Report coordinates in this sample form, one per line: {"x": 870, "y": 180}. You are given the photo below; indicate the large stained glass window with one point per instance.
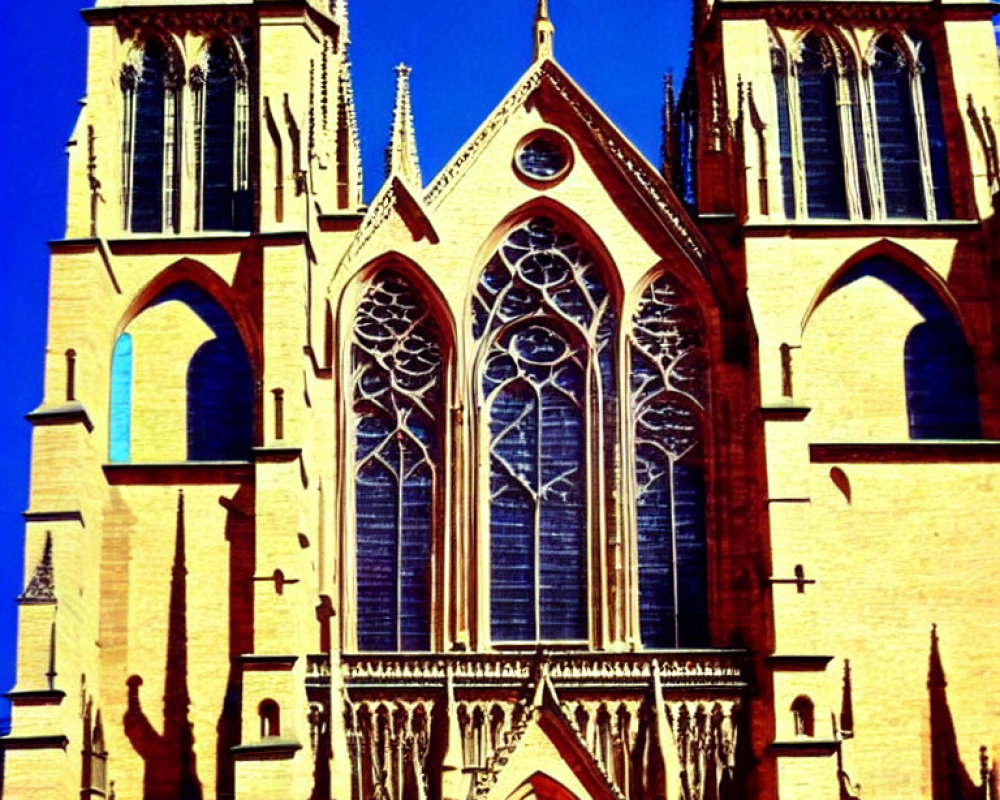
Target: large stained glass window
{"x": 547, "y": 324}
{"x": 399, "y": 413}
{"x": 669, "y": 394}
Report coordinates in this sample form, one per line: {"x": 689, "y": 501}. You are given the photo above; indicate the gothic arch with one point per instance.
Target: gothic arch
{"x": 427, "y": 404}
{"x": 545, "y": 207}
{"x": 187, "y": 270}
{"x": 903, "y": 258}
{"x": 542, "y": 787}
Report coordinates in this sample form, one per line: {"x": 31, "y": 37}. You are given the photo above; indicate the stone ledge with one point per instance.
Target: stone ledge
{"x": 66, "y": 414}
{"x": 57, "y": 742}
{"x": 264, "y": 750}
{"x": 804, "y": 747}
{"x": 266, "y": 662}
{"x": 967, "y": 451}
{"x": 69, "y": 515}
{"x": 36, "y": 697}
{"x": 181, "y": 472}
{"x": 784, "y": 412}
{"x": 799, "y": 663}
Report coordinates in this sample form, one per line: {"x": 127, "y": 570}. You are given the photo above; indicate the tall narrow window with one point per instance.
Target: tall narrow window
{"x": 902, "y": 185}
{"x": 545, "y": 318}
{"x": 936, "y": 141}
{"x": 826, "y": 193}
{"x": 669, "y": 391}
{"x": 779, "y": 69}
{"x": 120, "y": 424}
{"x": 150, "y": 142}
{"x": 224, "y": 191}
{"x": 399, "y": 411}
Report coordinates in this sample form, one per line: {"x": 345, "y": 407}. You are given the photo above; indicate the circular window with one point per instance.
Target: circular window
{"x": 543, "y": 156}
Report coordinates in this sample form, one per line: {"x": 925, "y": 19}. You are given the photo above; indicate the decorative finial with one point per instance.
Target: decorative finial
{"x": 545, "y": 32}
{"x": 41, "y": 588}
{"x": 401, "y": 155}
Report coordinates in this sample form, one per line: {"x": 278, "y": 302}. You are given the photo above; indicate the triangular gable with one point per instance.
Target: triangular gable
{"x": 394, "y": 199}
{"x": 547, "y": 86}
{"x": 546, "y": 752}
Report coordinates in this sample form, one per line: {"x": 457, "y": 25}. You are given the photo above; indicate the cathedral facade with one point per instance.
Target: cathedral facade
{"x": 559, "y": 476}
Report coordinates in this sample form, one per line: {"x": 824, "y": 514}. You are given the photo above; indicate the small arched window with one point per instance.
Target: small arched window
{"x": 546, "y": 323}
{"x": 803, "y": 716}
{"x": 270, "y": 719}
{"x": 669, "y": 394}
{"x": 221, "y": 129}
{"x": 899, "y": 152}
{"x": 399, "y": 411}
{"x": 820, "y": 127}
{"x": 150, "y": 141}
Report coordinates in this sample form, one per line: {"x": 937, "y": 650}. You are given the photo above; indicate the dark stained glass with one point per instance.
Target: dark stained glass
{"x": 220, "y": 107}
{"x": 148, "y": 143}
{"x": 398, "y": 410}
{"x": 542, "y": 157}
{"x": 543, "y": 307}
{"x": 902, "y": 187}
{"x": 669, "y": 383}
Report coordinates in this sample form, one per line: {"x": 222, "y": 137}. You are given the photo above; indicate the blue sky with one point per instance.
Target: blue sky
{"x": 465, "y": 57}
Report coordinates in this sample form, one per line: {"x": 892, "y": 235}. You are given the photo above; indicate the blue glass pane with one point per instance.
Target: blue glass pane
{"x": 562, "y": 514}
{"x": 897, "y": 133}
{"x": 826, "y": 193}
{"x": 119, "y": 449}
{"x": 542, "y": 158}
{"x": 692, "y": 563}
{"x": 220, "y": 105}
{"x": 415, "y": 557}
{"x": 377, "y": 517}
{"x": 147, "y": 145}
{"x": 513, "y": 482}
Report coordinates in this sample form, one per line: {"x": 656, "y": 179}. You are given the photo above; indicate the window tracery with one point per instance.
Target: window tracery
{"x": 547, "y": 323}
{"x": 669, "y": 398}
{"x": 150, "y": 141}
{"x": 398, "y": 406}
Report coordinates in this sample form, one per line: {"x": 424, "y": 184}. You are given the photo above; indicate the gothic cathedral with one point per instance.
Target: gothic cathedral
{"x": 559, "y": 476}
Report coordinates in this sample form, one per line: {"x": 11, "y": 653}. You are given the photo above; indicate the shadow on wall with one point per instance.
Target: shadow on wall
{"x": 942, "y": 399}
{"x": 949, "y": 778}
{"x": 170, "y": 770}
{"x": 219, "y": 385}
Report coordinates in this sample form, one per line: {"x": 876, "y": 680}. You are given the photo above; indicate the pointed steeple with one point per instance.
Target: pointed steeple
{"x": 401, "y": 155}
{"x": 545, "y": 32}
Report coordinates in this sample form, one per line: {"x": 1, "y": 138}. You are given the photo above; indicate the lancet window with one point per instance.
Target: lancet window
{"x": 398, "y": 408}
{"x": 669, "y": 399}
{"x": 150, "y": 141}
{"x": 221, "y": 118}
{"x": 546, "y": 323}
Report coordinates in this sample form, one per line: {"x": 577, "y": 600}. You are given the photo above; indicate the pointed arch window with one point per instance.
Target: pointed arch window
{"x": 546, "y": 322}
{"x": 399, "y": 404}
{"x": 899, "y": 152}
{"x": 822, "y": 146}
{"x": 221, "y": 131}
{"x": 150, "y": 141}
{"x": 669, "y": 397}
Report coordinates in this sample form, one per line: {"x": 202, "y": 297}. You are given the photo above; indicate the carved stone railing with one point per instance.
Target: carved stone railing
{"x": 646, "y": 719}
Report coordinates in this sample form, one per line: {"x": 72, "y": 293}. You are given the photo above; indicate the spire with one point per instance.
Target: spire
{"x": 545, "y": 32}
{"x": 401, "y": 155}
